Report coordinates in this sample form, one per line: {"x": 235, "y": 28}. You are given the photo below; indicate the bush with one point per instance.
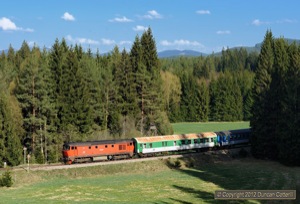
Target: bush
{"x": 177, "y": 164}
{"x": 6, "y": 179}
{"x": 243, "y": 153}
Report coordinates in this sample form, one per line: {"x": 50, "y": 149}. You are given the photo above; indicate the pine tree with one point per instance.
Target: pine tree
{"x": 57, "y": 61}
{"x": 289, "y": 138}
{"x": 202, "y": 101}
{"x": 262, "y": 141}
{"x": 10, "y": 130}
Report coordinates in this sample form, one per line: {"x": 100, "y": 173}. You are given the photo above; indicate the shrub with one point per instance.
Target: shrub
{"x": 243, "y": 153}
{"x": 6, "y": 179}
{"x": 177, "y": 164}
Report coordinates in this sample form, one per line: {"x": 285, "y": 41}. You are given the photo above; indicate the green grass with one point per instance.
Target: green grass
{"x": 151, "y": 182}
{"x": 184, "y": 128}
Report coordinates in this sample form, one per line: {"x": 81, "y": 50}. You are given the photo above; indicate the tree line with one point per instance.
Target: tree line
{"x": 276, "y": 94}
{"x": 66, "y": 94}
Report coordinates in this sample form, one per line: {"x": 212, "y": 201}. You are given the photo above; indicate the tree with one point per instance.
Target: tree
{"x": 288, "y": 134}
{"x": 262, "y": 141}
{"x": 10, "y": 130}
{"x": 202, "y": 101}
{"x": 171, "y": 89}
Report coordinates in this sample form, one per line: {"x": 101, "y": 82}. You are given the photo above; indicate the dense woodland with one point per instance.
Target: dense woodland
{"x": 68, "y": 94}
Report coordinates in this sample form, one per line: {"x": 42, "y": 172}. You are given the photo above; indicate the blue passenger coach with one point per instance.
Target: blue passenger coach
{"x": 233, "y": 137}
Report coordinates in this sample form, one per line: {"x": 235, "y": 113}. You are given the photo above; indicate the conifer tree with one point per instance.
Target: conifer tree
{"x": 288, "y": 135}
{"x": 202, "y": 101}
{"x": 261, "y": 136}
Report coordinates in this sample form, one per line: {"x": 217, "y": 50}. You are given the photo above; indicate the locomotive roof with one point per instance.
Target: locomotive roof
{"x": 99, "y": 142}
{"x": 174, "y": 137}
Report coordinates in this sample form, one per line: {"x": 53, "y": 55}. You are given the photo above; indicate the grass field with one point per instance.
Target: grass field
{"x": 152, "y": 182}
{"x": 158, "y": 181}
{"x": 184, "y": 128}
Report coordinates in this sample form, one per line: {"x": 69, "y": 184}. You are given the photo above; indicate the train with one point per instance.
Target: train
{"x": 76, "y": 152}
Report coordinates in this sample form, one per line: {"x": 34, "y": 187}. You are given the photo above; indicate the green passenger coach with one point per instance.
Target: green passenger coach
{"x": 153, "y": 144}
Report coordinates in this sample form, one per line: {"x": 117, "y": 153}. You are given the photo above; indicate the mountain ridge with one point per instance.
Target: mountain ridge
{"x": 193, "y": 53}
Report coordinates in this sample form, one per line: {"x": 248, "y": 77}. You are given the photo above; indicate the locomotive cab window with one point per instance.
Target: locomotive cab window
{"x": 66, "y": 147}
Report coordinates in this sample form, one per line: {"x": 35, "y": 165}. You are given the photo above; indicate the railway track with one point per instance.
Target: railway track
{"x": 106, "y": 162}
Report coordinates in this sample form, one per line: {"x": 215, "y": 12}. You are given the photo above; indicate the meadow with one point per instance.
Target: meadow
{"x": 184, "y": 181}
{"x": 159, "y": 181}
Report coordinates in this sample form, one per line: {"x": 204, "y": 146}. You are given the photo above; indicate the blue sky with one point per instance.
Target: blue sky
{"x": 201, "y": 25}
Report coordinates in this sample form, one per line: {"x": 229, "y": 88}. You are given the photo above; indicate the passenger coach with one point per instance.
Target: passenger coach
{"x": 166, "y": 143}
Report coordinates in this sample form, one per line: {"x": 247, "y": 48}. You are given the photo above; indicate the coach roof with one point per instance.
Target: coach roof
{"x": 174, "y": 137}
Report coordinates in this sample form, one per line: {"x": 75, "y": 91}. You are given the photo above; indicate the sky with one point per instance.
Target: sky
{"x": 202, "y": 25}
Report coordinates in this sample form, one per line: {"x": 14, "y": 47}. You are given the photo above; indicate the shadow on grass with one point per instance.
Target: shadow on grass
{"x": 234, "y": 175}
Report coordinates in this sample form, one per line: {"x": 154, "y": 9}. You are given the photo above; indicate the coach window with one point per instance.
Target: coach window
{"x": 96, "y": 147}
{"x": 72, "y": 148}
{"x": 183, "y": 142}
{"x": 163, "y": 144}
{"x": 189, "y": 142}
{"x": 105, "y": 146}
{"x": 211, "y": 139}
{"x": 90, "y": 147}
{"x": 195, "y": 141}
{"x": 174, "y": 143}
{"x": 75, "y": 147}
{"x": 130, "y": 143}
{"x": 144, "y": 145}
{"x": 112, "y": 145}
{"x": 150, "y": 145}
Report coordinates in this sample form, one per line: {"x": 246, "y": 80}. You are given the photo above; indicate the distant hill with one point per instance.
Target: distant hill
{"x": 178, "y": 53}
{"x": 193, "y": 53}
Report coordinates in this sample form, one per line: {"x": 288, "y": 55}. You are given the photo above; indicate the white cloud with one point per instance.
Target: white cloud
{"x": 223, "y": 32}
{"x": 121, "y": 20}
{"x": 82, "y": 40}
{"x": 107, "y": 41}
{"x": 152, "y": 15}
{"x": 68, "y": 17}
{"x": 7, "y": 25}
{"x": 181, "y": 42}
{"x": 258, "y": 22}
{"x": 287, "y": 21}
{"x": 203, "y": 12}
{"x": 140, "y": 28}
{"x": 125, "y": 42}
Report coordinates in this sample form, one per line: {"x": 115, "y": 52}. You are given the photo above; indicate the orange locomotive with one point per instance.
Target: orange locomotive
{"x": 90, "y": 151}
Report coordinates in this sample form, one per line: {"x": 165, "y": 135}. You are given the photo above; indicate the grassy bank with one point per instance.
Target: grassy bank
{"x": 151, "y": 182}
{"x": 183, "y": 128}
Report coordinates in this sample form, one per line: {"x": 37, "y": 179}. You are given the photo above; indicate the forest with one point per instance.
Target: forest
{"x": 51, "y": 96}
